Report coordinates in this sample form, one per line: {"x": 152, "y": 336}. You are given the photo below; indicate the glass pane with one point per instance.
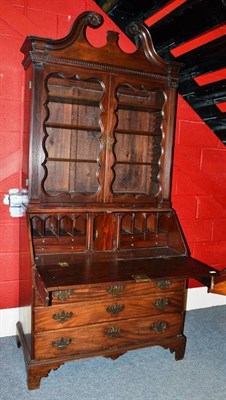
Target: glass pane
{"x": 138, "y": 140}
{"x": 72, "y": 129}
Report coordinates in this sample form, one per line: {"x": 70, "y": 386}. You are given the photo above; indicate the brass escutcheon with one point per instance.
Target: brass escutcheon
{"x": 160, "y": 326}
{"x": 109, "y": 142}
{"x": 62, "y": 294}
{"x": 116, "y": 290}
{"x": 141, "y": 278}
{"x": 115, "y": 309}
{"x": 61, "y": 343}
{"x": 113, "y": 332}
{"x": 164, "y": 284}
{"x": 161, "y": 303}
{"x": 63, "y": 316}
{"x": 63, "y": 264}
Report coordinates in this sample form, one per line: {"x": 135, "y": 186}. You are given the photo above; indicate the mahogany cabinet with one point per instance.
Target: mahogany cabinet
{"x": 109, "y": 261}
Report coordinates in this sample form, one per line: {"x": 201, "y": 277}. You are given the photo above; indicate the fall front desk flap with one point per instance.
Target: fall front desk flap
{"x": 69, "y": 273}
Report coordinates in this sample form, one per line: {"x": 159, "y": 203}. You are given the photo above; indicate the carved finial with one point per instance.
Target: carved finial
{"x": 133, "y": 29}
{"x": 94, "y": 20}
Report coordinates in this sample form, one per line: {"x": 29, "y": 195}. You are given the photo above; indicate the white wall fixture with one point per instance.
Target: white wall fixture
{"x": 17, "y": 201}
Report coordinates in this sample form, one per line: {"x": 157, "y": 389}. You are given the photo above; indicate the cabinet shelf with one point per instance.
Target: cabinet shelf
{"x": 136, "y": 163}
{"x": 72, "y": 127}
{"x": 77, "y": 160}
{"x": 73, "y": 100}
{"x": 142, "y": 108}
{"x": 158, "y": 132}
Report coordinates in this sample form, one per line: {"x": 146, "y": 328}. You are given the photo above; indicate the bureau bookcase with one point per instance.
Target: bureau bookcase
{"x": 109, "y": 261}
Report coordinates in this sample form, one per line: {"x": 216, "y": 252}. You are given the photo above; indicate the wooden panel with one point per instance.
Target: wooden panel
{"x": 98, "y": 336}
{"x": 87, "y": 271}
{"x": 138, "y": 140}
{"x": 104, "y": 232}
{"x": 73, "y": 133}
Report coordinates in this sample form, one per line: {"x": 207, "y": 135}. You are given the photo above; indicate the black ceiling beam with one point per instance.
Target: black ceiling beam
{"x": 203, "y": 100}
{"x": 208, "y": 94}
{"x": 123, "y": 12}
{"x": 191, "y": 19}
{"x": 218, "y": 125}
{"x": 210, "y": 114}
{"x": 206, "y": 58}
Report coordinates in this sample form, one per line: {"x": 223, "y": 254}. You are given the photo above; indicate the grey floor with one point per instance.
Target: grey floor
{"x": 138, "y": 375}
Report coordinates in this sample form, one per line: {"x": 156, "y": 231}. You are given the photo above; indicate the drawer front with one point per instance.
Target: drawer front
{"x": 111, "y": 335}
{"x": 117, "y": 290}
{"x": 143, "y": 240}
{"x": 45, "y": 241}
{"x": 56, "y": 245}
{"x": 83, "y": 313}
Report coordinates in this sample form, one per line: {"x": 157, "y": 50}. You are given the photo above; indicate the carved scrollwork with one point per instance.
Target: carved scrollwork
{"x": 133, "y": 29}
{"x": 94, "y": 20}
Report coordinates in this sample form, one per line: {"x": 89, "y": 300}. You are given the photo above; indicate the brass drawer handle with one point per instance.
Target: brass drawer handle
{"x": 164, "y": 284}
{"x": 115, "y": 309}
{"x": 62, "y": 294}
{"x": 161, "y": 303}
{"x": 113, "y": 332}
{"x": 116, "y": 290}
{"x": 63, "y": 316}
{"x": 160, "y": 326}
{"x": 62, "y": 343}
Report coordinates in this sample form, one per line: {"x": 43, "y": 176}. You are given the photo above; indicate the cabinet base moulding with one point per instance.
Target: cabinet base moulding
{"x": 36, "y": 370}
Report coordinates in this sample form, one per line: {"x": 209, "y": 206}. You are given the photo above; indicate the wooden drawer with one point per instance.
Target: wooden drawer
{"x": 45, "y": 241}
{"x": 110, "y": 335}
{"x": 117, "y": 290}
{"x": 143, "y": 240}
{"x": 60, "y": 244}
{"x": 83, "y": 313}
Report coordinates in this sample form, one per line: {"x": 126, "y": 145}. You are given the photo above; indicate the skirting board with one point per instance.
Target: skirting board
{"x": 196, "y": 298}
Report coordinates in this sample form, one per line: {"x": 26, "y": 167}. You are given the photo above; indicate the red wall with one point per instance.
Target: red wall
{"x": 199, "y": 187}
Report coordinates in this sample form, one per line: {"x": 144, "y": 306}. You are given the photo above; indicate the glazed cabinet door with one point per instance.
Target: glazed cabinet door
{"x": 140, "y": 131}
{"x": 72, "y": 137}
